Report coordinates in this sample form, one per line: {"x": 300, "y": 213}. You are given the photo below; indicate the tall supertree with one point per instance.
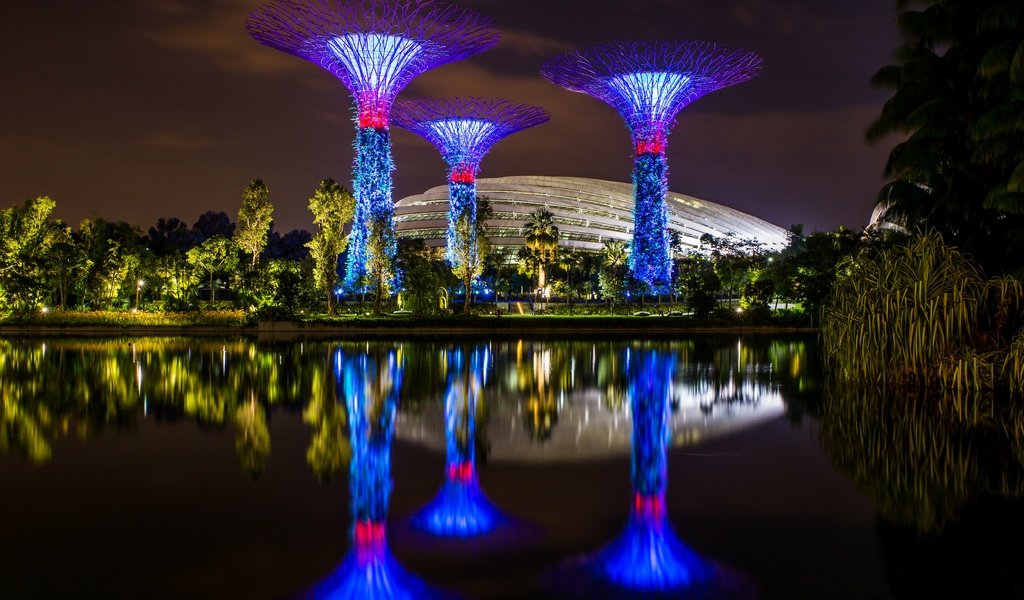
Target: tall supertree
{"x": 460, "y": 508}
{"x": 375, "y": 47}
{"x": 648, "y": 83}
{"x": 464, "y": 130}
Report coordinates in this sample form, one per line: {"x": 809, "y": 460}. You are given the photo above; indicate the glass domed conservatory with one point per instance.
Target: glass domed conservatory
{"x": 588, "y": 213}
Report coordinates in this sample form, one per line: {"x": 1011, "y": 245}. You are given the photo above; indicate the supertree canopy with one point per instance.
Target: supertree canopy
{"x": 648, "y": 83}
{"x": 461, "y": 509}
{"x": 375, "y": 47}
{"x": 464, "y": 130}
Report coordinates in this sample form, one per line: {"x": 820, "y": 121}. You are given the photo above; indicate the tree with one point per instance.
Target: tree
{"x": 817, "y": 266}
{"x": 420, "y": 269}
{"x": 170, "y": 236}
{"x": 698, "y": 284}
{"x": 65, "y": 262}
{"x": 957, "y": 100}
{"x": 542, "y": 240}
{"x": 114, "y": 250}
{"x": 613, "y": 278}
{"x": 254, "y": 219}
{"x": 26, "y": 235}
{"x": 212, "y": 223}
{"x": 332, "y": 207}
{"x": 471, "y": 252}
{"x": 215, "y": 254}
{"x": 176, "y": 280}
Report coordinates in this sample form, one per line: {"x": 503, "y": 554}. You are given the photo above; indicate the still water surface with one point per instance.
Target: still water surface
{"x": 710, "y": 467}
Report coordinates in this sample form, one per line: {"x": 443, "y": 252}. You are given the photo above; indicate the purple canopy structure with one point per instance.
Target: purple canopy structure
{"x": 464, "y": 130}
{"x": 648, "y": 83}
{"x": 375, "y": 48}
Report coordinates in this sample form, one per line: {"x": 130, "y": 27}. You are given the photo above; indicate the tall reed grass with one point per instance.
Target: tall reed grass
{"x": 920, "y": 314}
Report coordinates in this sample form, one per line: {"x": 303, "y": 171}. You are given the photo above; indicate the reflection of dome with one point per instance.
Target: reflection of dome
{"x": 588, "y": 212}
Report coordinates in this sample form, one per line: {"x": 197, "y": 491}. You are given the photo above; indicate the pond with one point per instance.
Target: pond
{"x": 710, "y": 467}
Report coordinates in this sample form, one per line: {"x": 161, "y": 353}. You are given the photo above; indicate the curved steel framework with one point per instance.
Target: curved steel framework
{"x": 648, "y": 83}
{"x": 464, "y": 130}
{"x": 375, "y": 48}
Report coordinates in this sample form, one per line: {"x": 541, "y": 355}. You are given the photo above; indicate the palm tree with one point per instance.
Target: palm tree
{"x": 542, "y": 240}
{"x": 612, "y": 278}
{"x": 569, "y": 262}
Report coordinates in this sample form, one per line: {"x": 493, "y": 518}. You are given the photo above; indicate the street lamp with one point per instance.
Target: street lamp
{"x": 138, "y": 292}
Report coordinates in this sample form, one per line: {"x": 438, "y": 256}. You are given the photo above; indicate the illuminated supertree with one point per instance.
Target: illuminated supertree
{"x": 464, "y": 130}
{"x": 648, "y": 557}
{"x": 648, "y": 83}
{"x": 460, "y": 508}
{"x": 375, "y": 47}
{"x": 371, "y": 384}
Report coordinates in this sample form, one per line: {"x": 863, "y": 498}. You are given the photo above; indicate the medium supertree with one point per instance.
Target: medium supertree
{"x": 375, "y": 47}
{"x": 460, "y": 508}
{"x": 648, "y": 83}
{"x": 371, "y": 382}
{"x": 464, "y": 130}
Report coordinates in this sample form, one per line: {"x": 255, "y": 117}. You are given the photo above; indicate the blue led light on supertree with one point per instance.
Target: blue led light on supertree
{"x": 460, "y": 508}
{"x": 375, "y": 48}
{"x": 464, "y": 130}
{"x": 371, "y": 384}
{"x": 648, "y": 83}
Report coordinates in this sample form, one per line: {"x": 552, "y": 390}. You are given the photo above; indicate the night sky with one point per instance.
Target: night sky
{"x": 140, "y": 109}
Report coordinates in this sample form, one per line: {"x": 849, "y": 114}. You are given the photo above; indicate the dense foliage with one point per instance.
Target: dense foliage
{"x": 920, "y": 314}
{"x": 959, "y": 100}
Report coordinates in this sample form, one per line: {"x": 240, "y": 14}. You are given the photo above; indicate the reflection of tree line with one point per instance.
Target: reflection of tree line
{"x": 949, "y": 496}
{"x": 50, "y": 389}
{"x": 89, "y": 385}
{"x": 918, "y": 469}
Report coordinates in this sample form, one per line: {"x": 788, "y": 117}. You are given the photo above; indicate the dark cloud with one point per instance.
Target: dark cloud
{"x": 147, "y": 108}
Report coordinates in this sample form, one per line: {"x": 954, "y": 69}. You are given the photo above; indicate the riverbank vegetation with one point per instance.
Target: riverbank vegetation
{"x": 245, "y": 271}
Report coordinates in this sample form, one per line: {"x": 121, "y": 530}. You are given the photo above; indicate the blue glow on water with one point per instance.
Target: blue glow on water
{"x": 365, "y": 576}
{"x": 371, "y": 385}
{"x": 460, "y": 508}
{"x": 648, "y": 556}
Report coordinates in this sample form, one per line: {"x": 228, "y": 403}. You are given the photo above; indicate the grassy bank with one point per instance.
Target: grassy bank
{"x": 57, "y": 322}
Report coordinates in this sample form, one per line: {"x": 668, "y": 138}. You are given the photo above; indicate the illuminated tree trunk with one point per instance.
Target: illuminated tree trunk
{"x": 650, "y": 261}
{"x": 374, "y": 212}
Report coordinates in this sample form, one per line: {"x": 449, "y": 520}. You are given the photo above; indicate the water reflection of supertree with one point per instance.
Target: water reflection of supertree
{"x": 461, "y": 509}
{"x": 648, "y": 557}
{"x": 371, "y": 383}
